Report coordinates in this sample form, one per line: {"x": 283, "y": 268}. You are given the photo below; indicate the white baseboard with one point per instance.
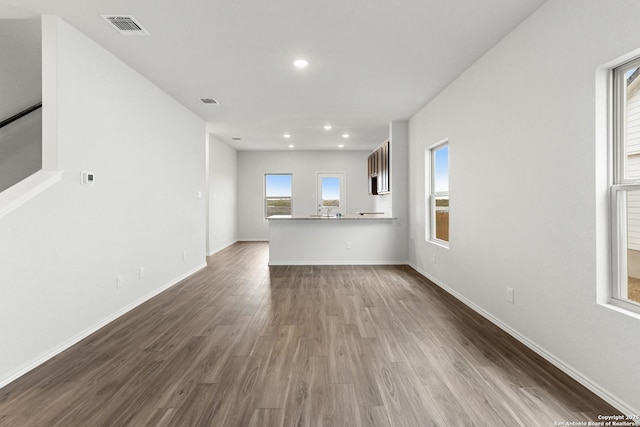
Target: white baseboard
{"x": 257, "y": 239}
{"x": 224, "y": 246}
{"x": 550, "y": 357}
{"x": 94, "y": 328}
{"x": 274, "y": 263}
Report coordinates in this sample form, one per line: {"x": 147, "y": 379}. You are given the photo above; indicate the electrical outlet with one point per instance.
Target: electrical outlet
{"x": 433, "y": 257}
{"x": 348, "y": 245}
{"x": 142, "y": 272}
{"x": 119, "y": 281}
{"x": 215, "y": 237}
{"x": 510, "y": 295}
{"x": 184, "y": 255}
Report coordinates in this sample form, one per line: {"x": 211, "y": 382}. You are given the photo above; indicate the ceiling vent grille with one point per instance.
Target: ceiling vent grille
{"x": 209, "y": 101}
{"x": 126, "y": 25}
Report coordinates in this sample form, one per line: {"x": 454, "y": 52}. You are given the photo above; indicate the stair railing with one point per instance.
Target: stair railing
{"x": 20, "y": 114}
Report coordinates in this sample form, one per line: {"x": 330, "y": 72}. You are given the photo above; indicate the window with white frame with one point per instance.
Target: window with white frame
{"x": 277, "y": 194}
{"x": 438, "y": 197}
{"x": 625, "y": 188}
{"x": 331, "y": 195}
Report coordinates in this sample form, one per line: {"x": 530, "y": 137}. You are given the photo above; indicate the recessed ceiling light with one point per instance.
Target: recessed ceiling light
{"x": 345, "y": 135}
{"x": 327, "y": 127}
{"x": 340, "y": 145}
{"x": 286, "y": 135}
{"x": 290, "y": 145}
{"x": 300, "y": 63}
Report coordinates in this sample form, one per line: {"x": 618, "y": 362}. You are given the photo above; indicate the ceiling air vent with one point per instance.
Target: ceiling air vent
{"x": 126, "y": 25}
{"x": 209, "y": 101}
{"x": 235, "y": 138}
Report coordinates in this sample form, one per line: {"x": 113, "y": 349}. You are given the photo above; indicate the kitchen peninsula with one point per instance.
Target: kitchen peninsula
{"x": 321, "y": 240}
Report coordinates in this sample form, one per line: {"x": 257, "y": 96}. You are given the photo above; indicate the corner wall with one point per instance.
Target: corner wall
{"x": 396, "y": 202}
{"x": 223, "y": 195}
{"x": 62, "y": 250}
{"x": 528, "y": 190}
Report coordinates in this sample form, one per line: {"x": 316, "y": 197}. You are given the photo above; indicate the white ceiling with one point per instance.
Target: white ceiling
{"x": 370, "y": 61}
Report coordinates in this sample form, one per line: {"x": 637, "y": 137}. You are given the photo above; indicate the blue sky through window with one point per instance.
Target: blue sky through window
{"x": 441, "y": 165}
{"x": 330, "y": 188}
{"x": 278, "y": 185}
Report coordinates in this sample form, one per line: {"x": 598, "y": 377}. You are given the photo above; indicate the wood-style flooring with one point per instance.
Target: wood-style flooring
{"x": 242, "y": 344}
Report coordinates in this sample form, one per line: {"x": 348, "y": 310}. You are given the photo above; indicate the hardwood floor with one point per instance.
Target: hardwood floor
{"x": 242, "y": 344}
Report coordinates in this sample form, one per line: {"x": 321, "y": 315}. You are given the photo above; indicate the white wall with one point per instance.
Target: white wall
{"x": 62, "y": 250}
{"x": 20, "y": 149}
{"x": 223, "y": 195}
{"x": 336, "y": 241}
{"x": 21, "y": 88}
{"x": 528, "y": 150}
{"x": 396, "y": 202}
{"x": 253, "y": 165}
{"x": 21, "y": 67}
{"x": 399, "y": 140}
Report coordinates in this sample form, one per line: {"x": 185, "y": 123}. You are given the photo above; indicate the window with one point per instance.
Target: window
{"x": 331, "y": 193}
{"x": 277, "y": 194}
{"x": 625, "y": 188}
{"x": 438, "y": 218}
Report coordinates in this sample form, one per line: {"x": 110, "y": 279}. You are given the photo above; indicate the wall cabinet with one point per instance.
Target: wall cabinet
{"x": 378, "y": 170}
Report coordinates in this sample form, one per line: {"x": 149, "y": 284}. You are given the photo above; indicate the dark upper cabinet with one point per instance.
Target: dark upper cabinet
{"x": 378, "y": 170}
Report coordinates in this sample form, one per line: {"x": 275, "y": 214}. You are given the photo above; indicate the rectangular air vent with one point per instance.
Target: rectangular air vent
{"x": 209, "y": 101}
{"x": 235, "y": 138}
{"x": 126, "y": 25}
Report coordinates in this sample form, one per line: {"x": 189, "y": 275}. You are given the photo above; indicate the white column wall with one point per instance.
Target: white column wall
{"x": 223, "y": 195}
